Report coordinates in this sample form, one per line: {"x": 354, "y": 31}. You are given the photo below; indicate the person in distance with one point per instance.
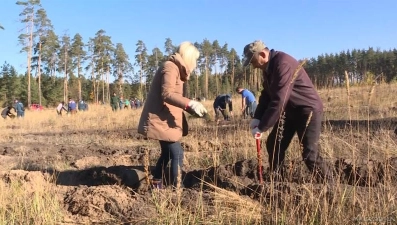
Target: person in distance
{"x": 248, "y": 102}
{"x": 220, "y": 103}
{"x": 162, "y": 116}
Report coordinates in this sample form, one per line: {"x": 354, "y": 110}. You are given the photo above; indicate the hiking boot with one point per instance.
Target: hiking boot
{"x": 157, "y": 184}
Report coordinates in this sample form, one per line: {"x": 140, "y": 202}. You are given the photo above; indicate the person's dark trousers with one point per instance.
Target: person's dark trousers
{"x": 308, "y": 134}
{"x": 250, "y": 109}
{"x": 169, "y": 151}
{"x": 224, "y": 112}
{"x": 114, "y": 107}
{"x": 20, "y": 113}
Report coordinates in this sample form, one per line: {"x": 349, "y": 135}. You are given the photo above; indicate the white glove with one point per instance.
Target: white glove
{"x": 197, "y": 107}
{"x": 254, "y": 123}
{"x": 256, "y": 133}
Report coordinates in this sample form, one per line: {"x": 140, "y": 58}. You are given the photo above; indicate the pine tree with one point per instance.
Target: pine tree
{"x": 78, "y": 57}
{"x": 103, "y": 48}
{"x": 121, "y": 65}
{"x": 169, "y": 47}
{"x": 141, "y": 59}
{"x": 26, "y": 39}
{"x": 65, "y": 63}
{"x": 43, "y": 26}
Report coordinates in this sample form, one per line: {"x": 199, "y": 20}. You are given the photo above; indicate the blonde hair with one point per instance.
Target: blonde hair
{"x": 189, "y": 54}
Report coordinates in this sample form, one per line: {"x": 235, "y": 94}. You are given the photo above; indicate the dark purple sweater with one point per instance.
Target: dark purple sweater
{"x": 279, "y": 94}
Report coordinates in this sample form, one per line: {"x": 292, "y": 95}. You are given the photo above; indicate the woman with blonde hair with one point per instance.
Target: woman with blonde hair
{"x": 162, "y": 116}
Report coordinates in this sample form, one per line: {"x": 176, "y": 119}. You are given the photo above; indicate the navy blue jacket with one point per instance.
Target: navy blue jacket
{"x": 222, "y": 100}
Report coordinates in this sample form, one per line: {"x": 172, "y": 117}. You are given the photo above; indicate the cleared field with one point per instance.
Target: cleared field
{"x": 91, "y": 168}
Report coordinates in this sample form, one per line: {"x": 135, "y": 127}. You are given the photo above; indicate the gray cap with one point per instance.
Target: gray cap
{"x": 250, "y": 49}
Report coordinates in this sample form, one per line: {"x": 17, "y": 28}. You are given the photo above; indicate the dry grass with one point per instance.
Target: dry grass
{"x": 38, "y": 202}
{"x": 28, "y": 199}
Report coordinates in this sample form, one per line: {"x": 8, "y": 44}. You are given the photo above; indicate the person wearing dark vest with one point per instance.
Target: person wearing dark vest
{"x": 288, "y": 104}
{"x": 220, "y": 103}
{"x": 7, "y": 112}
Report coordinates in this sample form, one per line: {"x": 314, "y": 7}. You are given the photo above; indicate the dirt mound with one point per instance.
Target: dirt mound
{"x": 106, "y": 203}
{"x": 106, "y": 156}
{"x": 235, "y": 177}
{"x": 366, "y": 172}
{"x": 31, "y": 181}
{"x": 21, "y": 175}
{"x": 133, "y": 177}
{"x": 121, "y": 193}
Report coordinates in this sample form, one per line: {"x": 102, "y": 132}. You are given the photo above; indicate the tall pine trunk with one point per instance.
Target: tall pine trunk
{"x": 206, "y": 77}
{"x": 29, "y": 59}
{"x": 232, "y": 77}
{"x": 79, "y": 78}
{"x": 140, "y": 78}
{"x": 103, "y": 84}
{"x": 216, "y": 79}
{"x": 197, "y": 86}
{"x": 120, "y": 73}
{"x": 39, "y": 72}
{"x": 107, "y": 84}
{"x": 65, "y": 82}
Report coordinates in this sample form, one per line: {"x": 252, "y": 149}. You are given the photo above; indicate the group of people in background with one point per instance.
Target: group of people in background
{"x": 18, "y": 107}
{"x": 119, "y": 103}
{"x": 223, "y": 104}
{"x": 71, "y": 107}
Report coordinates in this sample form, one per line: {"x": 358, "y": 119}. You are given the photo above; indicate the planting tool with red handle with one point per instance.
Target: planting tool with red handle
{"x": 258, "y": 150}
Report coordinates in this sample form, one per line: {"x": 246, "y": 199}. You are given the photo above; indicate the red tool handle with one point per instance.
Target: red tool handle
{"x": 258, "y": 150}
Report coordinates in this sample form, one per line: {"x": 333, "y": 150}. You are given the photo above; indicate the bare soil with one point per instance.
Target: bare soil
{"x": 103, "y": 184}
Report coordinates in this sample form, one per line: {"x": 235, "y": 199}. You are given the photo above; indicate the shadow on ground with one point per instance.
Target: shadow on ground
{"x": 233, "y": 177}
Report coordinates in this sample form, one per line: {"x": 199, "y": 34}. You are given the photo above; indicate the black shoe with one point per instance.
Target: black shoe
{"x": 157, "y": 184}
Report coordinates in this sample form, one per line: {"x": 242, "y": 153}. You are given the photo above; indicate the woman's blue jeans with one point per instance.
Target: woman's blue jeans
{"x": 169, "y": 151}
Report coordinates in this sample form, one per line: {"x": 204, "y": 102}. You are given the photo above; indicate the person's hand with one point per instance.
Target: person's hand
{"x": 197, "y": 108}
{"x": 254, "y": 123}
{"x": 256, "y": 133}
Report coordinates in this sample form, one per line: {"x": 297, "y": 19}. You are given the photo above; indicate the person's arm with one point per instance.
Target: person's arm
{"x": 170, "y": 75}
{"x": 281, "y": 88}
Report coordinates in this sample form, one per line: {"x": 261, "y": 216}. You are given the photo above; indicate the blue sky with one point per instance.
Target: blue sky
{"x": 302, "y": 28}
